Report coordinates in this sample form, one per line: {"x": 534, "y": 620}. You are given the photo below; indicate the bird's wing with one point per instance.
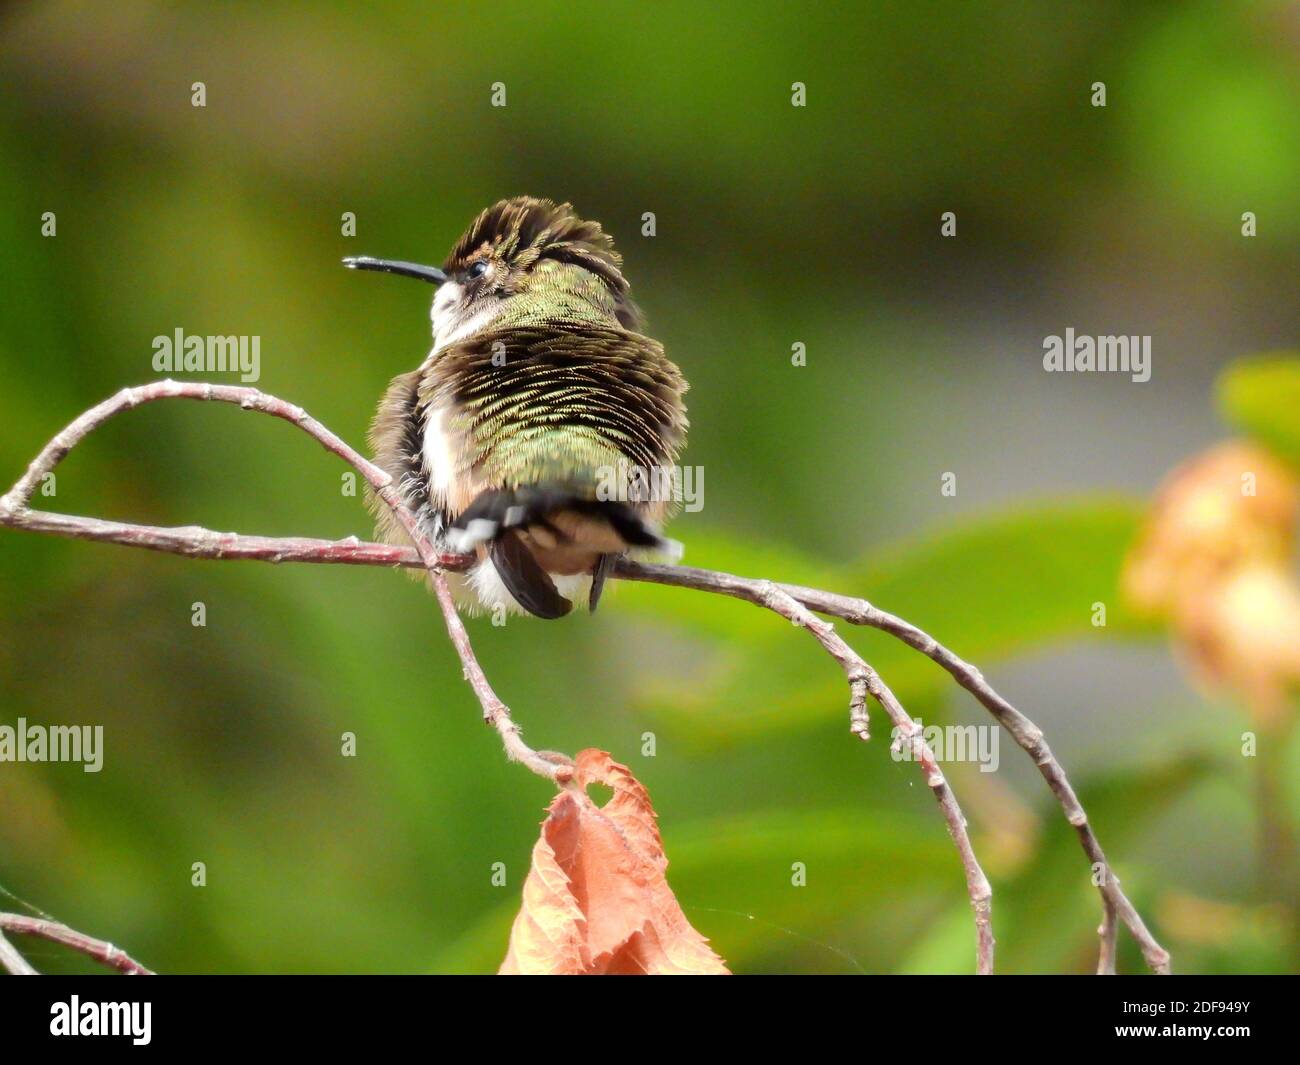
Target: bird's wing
{"x": 395, "y": 443}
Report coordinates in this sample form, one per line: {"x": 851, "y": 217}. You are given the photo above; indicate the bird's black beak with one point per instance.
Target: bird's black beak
{"x": 430, "y": 274}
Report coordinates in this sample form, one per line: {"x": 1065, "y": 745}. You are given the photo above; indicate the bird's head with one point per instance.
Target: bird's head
{"x": 522, "y": 253}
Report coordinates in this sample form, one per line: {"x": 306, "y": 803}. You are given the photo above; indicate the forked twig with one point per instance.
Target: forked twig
{"x": 864, "y": 680}
{"x": 1026, "y": 734}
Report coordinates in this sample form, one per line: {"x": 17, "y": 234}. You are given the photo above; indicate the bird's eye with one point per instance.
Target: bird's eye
{"x": 477, "y": 270}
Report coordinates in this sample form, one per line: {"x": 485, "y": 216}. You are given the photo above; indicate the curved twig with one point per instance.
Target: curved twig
{"x": 13, "y": 511}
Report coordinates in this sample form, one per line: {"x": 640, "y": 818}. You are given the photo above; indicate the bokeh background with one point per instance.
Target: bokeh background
{"x": 776, "y": 225}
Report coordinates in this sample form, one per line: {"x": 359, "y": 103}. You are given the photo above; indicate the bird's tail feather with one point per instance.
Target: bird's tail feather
{"x": 507, "y": 521}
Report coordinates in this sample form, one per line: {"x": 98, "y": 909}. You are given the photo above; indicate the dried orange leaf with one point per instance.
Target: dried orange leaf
{"x": 596, "y": 900}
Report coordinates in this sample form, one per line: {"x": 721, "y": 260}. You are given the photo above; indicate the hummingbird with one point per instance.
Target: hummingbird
{"x": 541, "y": 433}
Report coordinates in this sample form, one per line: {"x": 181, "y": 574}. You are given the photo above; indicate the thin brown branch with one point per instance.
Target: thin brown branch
{"x": 98, "y": 949}
{"x": 195, "y": 542}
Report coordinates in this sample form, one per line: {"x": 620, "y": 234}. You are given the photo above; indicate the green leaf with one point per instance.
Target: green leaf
{"x": 987, "y": 588}
{"x": 1261, "y": 396}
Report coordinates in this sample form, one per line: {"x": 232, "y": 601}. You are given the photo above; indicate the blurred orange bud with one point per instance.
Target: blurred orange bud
{"x": 1246, "y": 636}
{"x": 1215, "y": 560}
{"x": 1233, "y": 503}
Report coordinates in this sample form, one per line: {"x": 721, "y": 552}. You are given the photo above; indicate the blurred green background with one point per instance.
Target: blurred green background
{"x": 776, "y": 225}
